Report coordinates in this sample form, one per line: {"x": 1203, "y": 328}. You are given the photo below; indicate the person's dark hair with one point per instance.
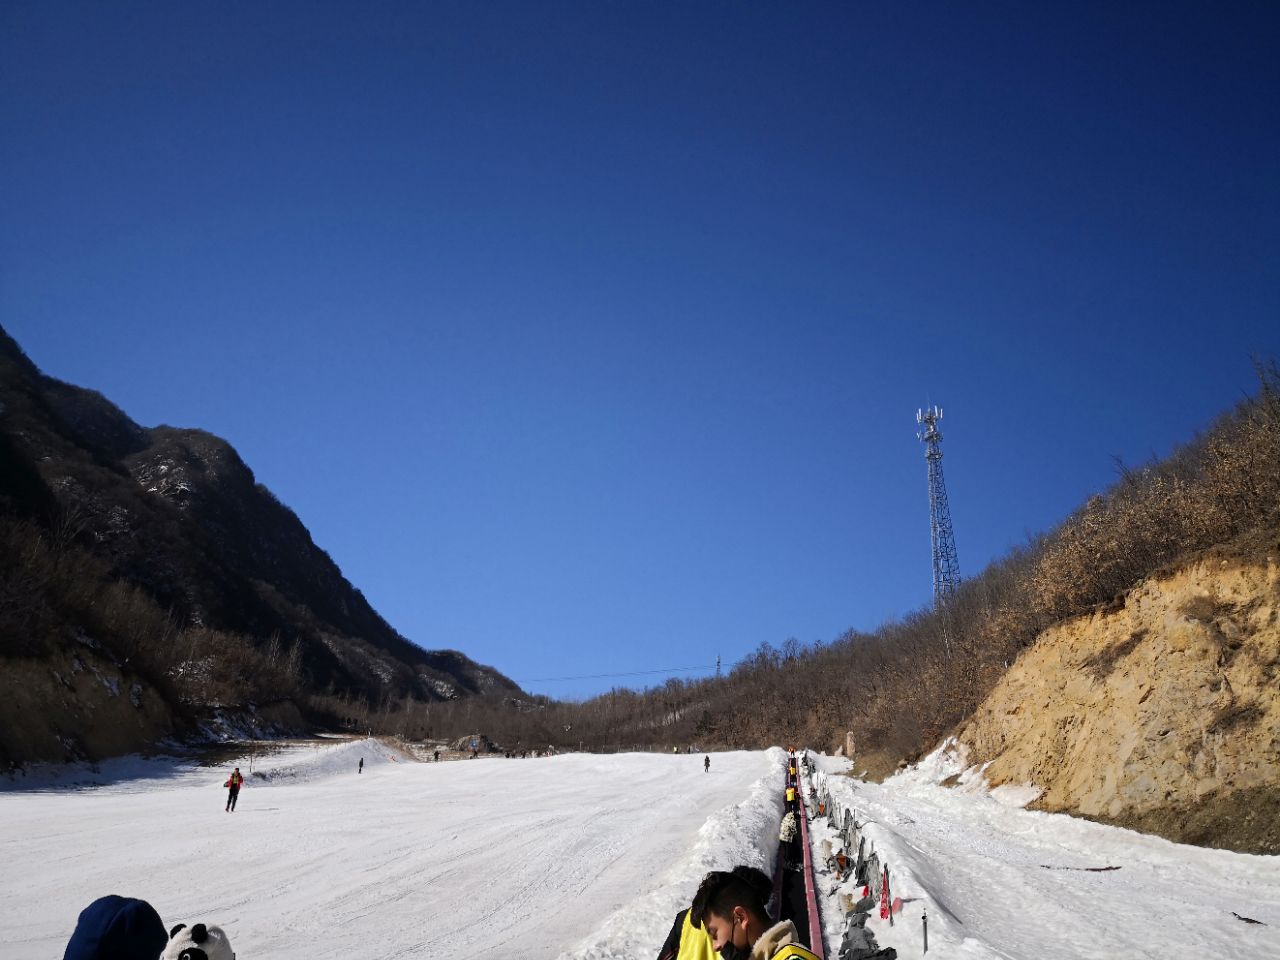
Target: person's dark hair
{"x": 722, "y": 890}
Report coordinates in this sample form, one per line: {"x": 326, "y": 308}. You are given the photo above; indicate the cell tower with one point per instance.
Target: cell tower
{"x": 946, "y": 568}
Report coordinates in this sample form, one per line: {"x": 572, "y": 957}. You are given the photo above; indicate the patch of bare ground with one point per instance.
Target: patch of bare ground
{"x": 876, "y": 765}
{"x": 1246, "y": 821}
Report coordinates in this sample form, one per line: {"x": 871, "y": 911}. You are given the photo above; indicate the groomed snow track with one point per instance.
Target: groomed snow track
{"x": 578, "y": 855}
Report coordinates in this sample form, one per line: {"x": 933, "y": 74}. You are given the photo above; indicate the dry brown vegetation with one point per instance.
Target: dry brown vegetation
{"x": 152, "y": 598}
{"x": 158, "y": 551}
{"x": 54, "y": 592}
{"x": 906, "y": 684}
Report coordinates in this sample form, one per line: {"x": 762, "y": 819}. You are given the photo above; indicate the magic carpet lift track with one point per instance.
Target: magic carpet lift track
{"x": 800, "y": 905}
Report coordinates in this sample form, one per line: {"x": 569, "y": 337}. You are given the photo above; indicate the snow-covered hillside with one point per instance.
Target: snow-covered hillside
{"x": 586, "y": 855}
{"x": 1003, "y": 883}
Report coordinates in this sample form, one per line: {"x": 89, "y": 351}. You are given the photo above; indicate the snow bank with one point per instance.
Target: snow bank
{"x": 949, "y": 766}
{"x": 326, "y": 761}
{"x": 741, "y": 833}
{"x": 1000, "y": 882}
{"x": 262, "y": 764}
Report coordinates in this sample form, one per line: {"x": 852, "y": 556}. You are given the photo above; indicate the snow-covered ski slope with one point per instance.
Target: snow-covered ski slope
{"x": 585, "y": 857}
{"x": 1004, "y": 883}
{"x": 581, "y": 855}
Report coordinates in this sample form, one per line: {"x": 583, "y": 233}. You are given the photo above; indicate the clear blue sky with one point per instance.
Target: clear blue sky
{"x": 588, "y": 338}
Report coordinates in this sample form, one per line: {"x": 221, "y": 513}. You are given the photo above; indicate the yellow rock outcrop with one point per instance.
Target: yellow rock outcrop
{"x": 1162, "y": 714}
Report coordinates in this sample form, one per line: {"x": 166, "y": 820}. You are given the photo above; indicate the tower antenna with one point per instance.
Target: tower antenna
{"x": 946, "y": 567}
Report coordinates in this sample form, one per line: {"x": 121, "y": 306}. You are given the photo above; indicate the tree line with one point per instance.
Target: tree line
{"x": 901, "y": 686}
{"x": 906, "y": 684}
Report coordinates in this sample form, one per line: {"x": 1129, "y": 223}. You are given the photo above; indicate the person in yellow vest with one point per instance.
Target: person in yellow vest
{"x": 691, "y": 941}
{"x": 791, "y": 798}
{"x": 731, "y": 906}
{"x": 687, "y": 942}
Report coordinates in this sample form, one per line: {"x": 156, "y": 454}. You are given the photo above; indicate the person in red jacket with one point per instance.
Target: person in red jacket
{"x": 233, "y": 789}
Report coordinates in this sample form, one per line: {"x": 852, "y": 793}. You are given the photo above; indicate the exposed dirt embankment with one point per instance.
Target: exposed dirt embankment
{"x": 77, "y": 705}
{"x": 81, "y": 705}
{"x": 1162, "y": 715}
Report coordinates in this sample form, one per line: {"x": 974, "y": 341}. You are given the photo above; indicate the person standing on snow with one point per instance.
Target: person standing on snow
{"x": 789, "y": 838}
{"x": 706, "y": 764}
{"x": 233, "y": 784}
{"x": 360, "y": 769}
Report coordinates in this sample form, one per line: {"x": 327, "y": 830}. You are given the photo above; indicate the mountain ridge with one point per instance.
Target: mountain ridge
{"x": 177, "y": 514}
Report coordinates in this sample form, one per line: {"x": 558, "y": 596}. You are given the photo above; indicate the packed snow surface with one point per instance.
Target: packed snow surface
{"x": 581, "y": 855}
{"x": 1003, "y": 883}
{"x": 588, "y": 858}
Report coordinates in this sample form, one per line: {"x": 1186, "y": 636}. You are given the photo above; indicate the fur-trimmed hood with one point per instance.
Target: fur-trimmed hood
{"x": 774, "y": 939}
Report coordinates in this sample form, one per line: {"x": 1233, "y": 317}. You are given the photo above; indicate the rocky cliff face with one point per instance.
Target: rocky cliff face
{"x": 1162, "y": 713}
{"x": 120, "y": 540}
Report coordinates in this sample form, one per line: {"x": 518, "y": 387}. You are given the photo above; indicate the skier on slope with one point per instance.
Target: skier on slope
{"x": 360, "y": 769}
{"x": 233, "y": 784}
{"x": 706, "y": 764}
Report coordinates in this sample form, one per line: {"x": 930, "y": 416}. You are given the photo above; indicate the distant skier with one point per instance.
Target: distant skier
{"x": 706, "y": 764}
{"x": 233, "y": 784}
{"x": 360, "y": 769}
{"x": 437, "y": 756}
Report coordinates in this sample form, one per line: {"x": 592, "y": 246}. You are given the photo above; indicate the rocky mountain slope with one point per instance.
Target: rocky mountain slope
{"x": 234, "y": 601}
{"x": 1160, "y": 713}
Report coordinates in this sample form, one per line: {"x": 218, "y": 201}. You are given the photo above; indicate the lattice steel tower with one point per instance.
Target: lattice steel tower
{"x": 946, "y": 568}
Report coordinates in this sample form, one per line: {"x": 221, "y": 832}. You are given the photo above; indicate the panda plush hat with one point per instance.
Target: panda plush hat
{"x": 198, "y": 942}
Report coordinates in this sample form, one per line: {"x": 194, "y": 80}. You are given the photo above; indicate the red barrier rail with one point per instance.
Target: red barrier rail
{"x": 810, "y": 887}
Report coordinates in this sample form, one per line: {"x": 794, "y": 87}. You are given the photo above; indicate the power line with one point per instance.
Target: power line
{"x": 608, "y": 676}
